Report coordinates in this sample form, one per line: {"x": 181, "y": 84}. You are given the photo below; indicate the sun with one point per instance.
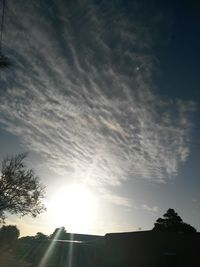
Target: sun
{"x": 74, "y": 207}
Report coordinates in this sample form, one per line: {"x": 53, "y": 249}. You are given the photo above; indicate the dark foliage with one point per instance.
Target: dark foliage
{"x": 172, "y": 222}
{"x": 20, "y": 190}
{"x": 59, "y": 233}
{"x": 41, "y": 237}
{"x": 8, "y": 235}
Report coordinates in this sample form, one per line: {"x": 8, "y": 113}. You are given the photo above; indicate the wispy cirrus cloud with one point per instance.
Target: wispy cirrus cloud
{"x": 152, "y": 210}
{"x": 116, "y": 199}
{"x": 81, "y": 93}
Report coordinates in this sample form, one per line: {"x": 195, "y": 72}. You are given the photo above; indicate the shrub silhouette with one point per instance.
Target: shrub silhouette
{"x": 8, "y": 236}
{"x": 172, "y": 222}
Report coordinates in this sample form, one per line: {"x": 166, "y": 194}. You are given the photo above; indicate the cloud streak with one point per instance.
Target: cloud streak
{"x": 152, "y": 210}
{"x": 81, "y": 93}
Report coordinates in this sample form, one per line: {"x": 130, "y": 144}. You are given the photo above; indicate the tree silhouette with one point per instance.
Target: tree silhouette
{"x": 40, "y": 236}
{"x": 172, "y": 222}
{"x": 59, "y": 233}
{"x": 8, "y": 235}
{"x": 20, "y": 190}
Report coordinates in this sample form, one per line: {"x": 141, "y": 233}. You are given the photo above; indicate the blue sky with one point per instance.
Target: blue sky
{"x": 106, "y": 95}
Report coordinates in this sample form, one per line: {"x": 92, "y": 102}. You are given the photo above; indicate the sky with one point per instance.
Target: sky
{"x": 104, "y": 95}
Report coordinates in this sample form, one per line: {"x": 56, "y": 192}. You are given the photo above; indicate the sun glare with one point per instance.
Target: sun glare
{"x": 75, "y": 208}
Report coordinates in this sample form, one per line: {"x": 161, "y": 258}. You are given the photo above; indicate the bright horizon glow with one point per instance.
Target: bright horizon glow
{"x": 74, "y": 207}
